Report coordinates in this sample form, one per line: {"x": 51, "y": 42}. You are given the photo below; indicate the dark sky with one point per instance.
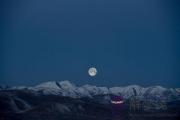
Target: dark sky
{"x": 128, "y": 41}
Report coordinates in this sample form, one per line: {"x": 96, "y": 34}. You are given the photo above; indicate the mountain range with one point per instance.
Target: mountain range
{"x": 68, "y": 89}
{"x": 63, "y": 100}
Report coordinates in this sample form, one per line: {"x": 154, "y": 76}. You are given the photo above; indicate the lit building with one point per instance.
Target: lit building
{"x": 118, "y": 107}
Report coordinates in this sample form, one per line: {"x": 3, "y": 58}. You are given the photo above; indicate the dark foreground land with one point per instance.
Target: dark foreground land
{"x": 27, "y": 105}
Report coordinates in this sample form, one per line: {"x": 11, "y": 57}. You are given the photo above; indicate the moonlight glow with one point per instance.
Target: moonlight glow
{"x": 92, "y": 71}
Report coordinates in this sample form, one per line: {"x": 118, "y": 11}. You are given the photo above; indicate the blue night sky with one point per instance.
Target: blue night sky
{"x": 128, "y": 41}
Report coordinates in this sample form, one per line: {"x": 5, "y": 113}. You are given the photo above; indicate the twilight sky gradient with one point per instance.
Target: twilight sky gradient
{"x": 128, "y": 41}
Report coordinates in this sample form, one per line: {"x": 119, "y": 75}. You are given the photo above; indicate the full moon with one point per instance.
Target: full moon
{"x": 92, "y": 71}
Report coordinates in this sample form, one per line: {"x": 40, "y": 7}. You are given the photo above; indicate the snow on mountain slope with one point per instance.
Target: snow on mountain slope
{"x": 48, "y": 88}
{"x": 65, "y": 88}
{"x": 156, "y": 91}
{"x": 178, "y": 90}
{"x": 93, "y": 90}
{"x": 128, "y": 91}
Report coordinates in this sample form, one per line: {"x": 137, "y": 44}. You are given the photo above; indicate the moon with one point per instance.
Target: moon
{"x": 92, "y": 71}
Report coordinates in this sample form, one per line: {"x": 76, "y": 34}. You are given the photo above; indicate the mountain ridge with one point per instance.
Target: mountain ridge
{"x": 66, "y": 88}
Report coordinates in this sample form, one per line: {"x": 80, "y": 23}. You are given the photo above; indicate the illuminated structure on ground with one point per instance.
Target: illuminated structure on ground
{"x": 118, "y": 107}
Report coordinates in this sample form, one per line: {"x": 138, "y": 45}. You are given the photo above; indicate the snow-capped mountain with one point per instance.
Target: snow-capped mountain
{"x": 65, "y": 88}
{"x": 62, "y": 98}
{"x": 128, "y": 91}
